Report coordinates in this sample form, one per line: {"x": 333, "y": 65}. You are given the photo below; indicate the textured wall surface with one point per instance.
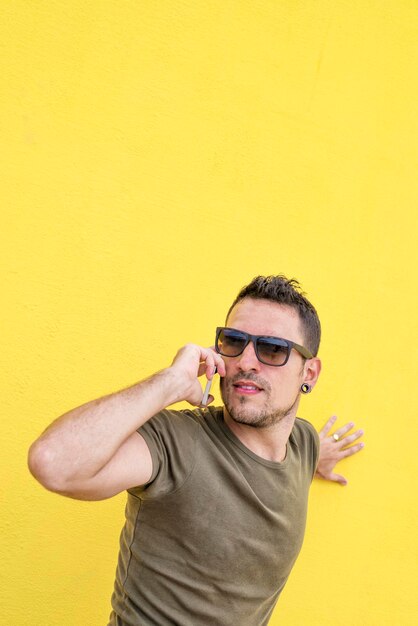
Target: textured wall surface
{"x": 156, "y": 156}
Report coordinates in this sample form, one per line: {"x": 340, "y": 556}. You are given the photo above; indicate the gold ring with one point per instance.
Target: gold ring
{"x": 336, "y": 437}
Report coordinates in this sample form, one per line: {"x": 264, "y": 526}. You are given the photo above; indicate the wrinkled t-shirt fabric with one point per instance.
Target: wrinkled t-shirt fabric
{"x": 212, "y": 537}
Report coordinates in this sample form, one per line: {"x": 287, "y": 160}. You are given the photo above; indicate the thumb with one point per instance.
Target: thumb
{"x": 338, "y": 479}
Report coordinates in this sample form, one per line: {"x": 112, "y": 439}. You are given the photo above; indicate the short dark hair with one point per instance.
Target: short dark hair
{"x": 288, "y": 292}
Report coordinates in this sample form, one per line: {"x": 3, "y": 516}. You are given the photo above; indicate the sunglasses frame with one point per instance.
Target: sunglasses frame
{"x": 254, "y": 338}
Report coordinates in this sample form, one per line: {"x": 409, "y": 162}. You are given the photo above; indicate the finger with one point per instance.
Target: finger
{"x": 218, "y": 363}
{"x": 210, "y": 367}
{"x": 347, "y": 440}
{"x": 344, "y": 429}
{"x": 219, "y": 366}
{"x": 206, "y": 368}
{"x": 207, "y": 363}
{"x": 327, "y": 427}
{"x": 352, "y": 450}
{"x": 337, "y": 478}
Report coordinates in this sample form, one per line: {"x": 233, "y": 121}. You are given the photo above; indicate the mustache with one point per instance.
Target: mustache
{"x": 261, "y": 382}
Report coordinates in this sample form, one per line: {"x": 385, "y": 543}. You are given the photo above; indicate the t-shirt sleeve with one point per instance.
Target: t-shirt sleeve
{"x": 310, "y": 440}
{"x": 316, "y": 450}
{"x": 171, "y": 438}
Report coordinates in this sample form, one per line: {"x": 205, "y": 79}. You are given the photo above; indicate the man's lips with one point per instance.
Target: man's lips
{"x": 247, "y": 387}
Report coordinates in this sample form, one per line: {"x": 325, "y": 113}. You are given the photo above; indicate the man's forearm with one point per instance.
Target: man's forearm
{"x": 80, "y": 443}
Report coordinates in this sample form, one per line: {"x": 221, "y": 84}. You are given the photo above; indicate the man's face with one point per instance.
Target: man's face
{"x": 256, "y": 394}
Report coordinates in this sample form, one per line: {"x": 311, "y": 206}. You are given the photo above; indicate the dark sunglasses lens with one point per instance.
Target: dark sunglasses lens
{"x": 230, "y": 342}
{"x": 272, "y": 351}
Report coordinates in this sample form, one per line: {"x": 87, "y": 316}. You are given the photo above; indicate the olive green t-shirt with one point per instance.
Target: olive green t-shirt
{"x": 212, "y": 537}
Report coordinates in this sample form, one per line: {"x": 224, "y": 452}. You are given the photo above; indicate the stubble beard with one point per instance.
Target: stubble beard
{"x": 244, "y": 413}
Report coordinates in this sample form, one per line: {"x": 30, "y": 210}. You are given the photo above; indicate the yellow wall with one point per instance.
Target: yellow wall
{"x": 157, "y": 156}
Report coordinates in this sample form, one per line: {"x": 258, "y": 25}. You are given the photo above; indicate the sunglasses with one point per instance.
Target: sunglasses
{"x": 269, "y": 350}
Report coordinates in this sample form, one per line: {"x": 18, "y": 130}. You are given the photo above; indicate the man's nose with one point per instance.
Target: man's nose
{"x": 248, "y": 359}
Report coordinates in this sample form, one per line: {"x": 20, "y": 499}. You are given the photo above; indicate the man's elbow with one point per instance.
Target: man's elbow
{"x": 41, "y": 466}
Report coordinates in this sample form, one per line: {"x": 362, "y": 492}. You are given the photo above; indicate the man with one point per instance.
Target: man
{"x": 217, "y": 497}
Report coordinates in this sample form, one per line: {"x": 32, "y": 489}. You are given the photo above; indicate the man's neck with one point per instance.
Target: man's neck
{"x": 268, "y": 443}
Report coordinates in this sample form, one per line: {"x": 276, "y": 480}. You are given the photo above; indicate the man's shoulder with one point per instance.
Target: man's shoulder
{"x": 307, "y": 441}
{"x": 182, "y": 419}
{"x": 171, "y": 420}
{"x": 172, "y": 437}
{"x": 305, "y": 431}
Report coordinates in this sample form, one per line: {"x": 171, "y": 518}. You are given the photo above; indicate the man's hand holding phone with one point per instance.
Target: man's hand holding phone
{"x": 191, "y": 362}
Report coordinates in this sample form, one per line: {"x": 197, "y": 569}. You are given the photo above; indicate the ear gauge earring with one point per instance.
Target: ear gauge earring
{"x": 305, "y": 388}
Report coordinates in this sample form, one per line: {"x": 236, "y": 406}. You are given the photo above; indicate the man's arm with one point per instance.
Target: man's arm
{"x": 334, "y": 449}
{"x": 94, "y": 451}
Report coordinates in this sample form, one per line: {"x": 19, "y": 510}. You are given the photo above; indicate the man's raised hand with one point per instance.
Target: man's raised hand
{"x": 334, "y": 448}
{"x": 191, "y": 362}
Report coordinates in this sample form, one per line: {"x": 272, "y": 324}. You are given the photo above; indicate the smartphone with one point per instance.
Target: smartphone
{"x": 207, "y": 389}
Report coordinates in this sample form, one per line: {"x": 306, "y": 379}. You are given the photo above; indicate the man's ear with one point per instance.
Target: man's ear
{"x": 311, "y": 371}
